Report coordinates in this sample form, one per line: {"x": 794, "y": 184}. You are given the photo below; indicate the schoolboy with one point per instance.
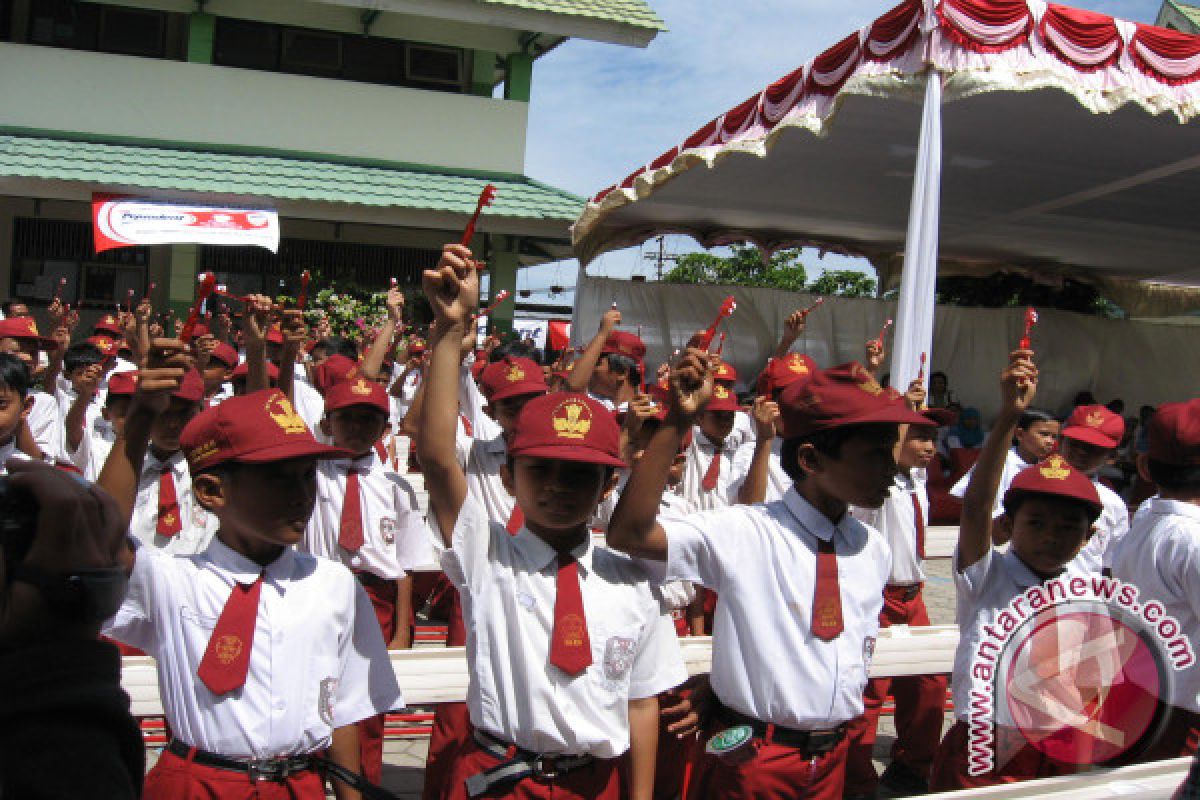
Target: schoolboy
{"x": 1034, "y": 439}
{"x": 902, "y": 520}
{"x": 1047, "y": 511}
{"x": 612, "y": 366}
{"x": 800, "y": 580}
{"x": 19, "y": 336}
{"x": 567, "y": 645}
{"x": 716, "y": 465}
{"x": 15, "y": 403}
{"x": 266, "y": 656}
{"x": 79, "y": 393}
{"x": 367, "y": 518}
{"x": 1161, "y": 556}
{"x": 96, "y": 441}
{"x": 1090, "y": 438}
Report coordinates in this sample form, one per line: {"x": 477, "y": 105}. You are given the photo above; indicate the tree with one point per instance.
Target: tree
{"x": 1012, "y": 289}
{"x": 745, "y": 266}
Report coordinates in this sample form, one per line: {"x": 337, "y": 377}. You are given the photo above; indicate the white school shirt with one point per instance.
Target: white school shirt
{"x": 735, "y": 464}
{"x": 1111, "y": 527}
{"x": 761, "y": 560}
{"x": 896, "y": 521}
{"x": 408, "y": 393}
{"x": 65, "y": 397}
{"x": 983, "y": 591}
{"x": 46, "y": 423}
{"x": 317, "y": 661}
{"x": 1013, "y": 464}
{"x": 223, "y": 393}
{"x": 198, "y": 524}
{"x": 310, "y": 405}
{"x": 508, "y": 586}
{"x": 778, "y": 481}
{"x": 1161, "y": 557}
{"x": 395, "y": 537}
{"x": 94, "y": 448}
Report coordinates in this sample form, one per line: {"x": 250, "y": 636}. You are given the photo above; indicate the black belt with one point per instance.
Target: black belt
{"x": 258, "y": 769}
{"x": 906, "y": 591}
{"x": 521, "y": 764}
{"x": 810, "y": 743}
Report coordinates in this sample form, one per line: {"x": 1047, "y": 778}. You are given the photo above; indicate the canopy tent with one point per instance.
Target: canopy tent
{"x": 1007, "y": 139}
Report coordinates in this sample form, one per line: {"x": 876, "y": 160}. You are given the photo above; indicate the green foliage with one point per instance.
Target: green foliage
{"x": 1010, "y": 289}
{"x": 745, "y": 266}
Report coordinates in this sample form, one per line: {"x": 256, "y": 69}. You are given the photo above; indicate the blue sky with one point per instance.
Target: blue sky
{"x": 598, "y": 111}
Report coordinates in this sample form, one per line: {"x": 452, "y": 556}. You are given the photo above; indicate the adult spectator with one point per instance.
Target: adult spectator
{"x": 940, "y": 395}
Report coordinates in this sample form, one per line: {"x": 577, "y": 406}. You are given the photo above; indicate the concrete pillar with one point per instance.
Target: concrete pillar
{"x": 502, "y": 272}
{"x": 201, "y": 30}
{"x": 6, "y": 236}
{"x": 181, "y": 278}
{"x": 519, "y": 81}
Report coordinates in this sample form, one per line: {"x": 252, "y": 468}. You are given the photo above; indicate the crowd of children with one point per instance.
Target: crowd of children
{"x": 585, "y": 514}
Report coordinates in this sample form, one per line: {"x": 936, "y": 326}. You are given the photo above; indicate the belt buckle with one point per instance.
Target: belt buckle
{"x": 545, "y": 768}
{"x": 266, "y": 769}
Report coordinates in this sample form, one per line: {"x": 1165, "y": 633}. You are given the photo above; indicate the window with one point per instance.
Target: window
{"x": 48, "y": 250}
{"x": 311, "y": 53}
{"x": 6, "y": 20}
{"x": 89, "y": 26}
{"x": 372, "y": 60}
{"x": 434, "y": 67}
{"x": 251, "y": 45}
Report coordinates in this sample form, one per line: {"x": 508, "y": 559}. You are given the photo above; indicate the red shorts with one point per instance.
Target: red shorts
{"x": 175, "y": 778}
{"x": 599, "y": 780}
{"x": 1027, "y": 762}
{"x": 451, "y": 721}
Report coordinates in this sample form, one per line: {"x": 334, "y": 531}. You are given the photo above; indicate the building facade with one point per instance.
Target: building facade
{"x": 371, "y": 126}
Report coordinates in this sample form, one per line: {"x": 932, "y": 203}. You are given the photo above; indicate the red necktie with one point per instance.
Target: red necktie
{"x": 827, "y": 596}
{"x": 169, "y": 523}
{"x": 350, "y": 533}
{"x": 709, "y": 482}
{"x": 570, "y": 647}
{"x": 227, "y": 657}
{"x": 381, "y": 451}
{"x": 468, "y": 428}
{"x": 919, "y": 518}
{"x": 515, "y": 520}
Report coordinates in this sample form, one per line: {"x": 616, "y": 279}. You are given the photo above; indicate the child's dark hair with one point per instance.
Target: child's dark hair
{"x": 1032, "y": 415}
{"x": 81, "y": 355}
{"x": 515, "y": 348}
{"x": 113, "y": 401}
{"x": 14, "y": 375}
{"x": 1173, "y": 477}
{"x": 626, "y": 366}
{"x": 827, "y": 442}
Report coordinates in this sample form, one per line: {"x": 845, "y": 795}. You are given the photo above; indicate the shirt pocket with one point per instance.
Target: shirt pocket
{"x": 614, "y": 651}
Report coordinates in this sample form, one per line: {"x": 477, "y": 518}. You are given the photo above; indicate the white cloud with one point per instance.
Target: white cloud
{"x": 600, "y": 111}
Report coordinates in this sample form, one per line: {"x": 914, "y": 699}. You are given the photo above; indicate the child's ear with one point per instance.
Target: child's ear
{"x": 324, "y": 426}
{"x": 1143, "y": 468}
{"x": 506, "y": 478}
{"x": 808, "y": 459}
{"x": 209, "y": 491}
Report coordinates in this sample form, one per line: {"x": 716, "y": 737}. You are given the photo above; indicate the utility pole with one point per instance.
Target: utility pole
{"x": 661, "y": 256}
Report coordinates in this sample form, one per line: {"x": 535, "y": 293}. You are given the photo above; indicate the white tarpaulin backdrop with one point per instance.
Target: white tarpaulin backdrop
{"x": 1140, "y": 362}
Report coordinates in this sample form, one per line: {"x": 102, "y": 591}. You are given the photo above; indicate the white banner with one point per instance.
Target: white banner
{"x": 120, "y": 221}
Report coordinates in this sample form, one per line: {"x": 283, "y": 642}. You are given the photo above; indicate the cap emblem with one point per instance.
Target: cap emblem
{"x": 361, "y": 387}
{"x": 1094, "y": 419}
{"x": 1055, "y": 468}
{"x": 284, "y": 415}
{"x": 572, "y": 420}
{"x": 514, "y": 374}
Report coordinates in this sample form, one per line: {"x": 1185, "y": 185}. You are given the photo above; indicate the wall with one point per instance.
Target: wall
{"x": 119, "y": 96}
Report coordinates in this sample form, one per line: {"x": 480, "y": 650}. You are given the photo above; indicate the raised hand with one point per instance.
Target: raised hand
{"x": 395, "y": 304}
{"x": 256, "y": 319}
{"x": 452, "y": 287}
{"x": 1018, "y": 382}
{"x": 692, "y": 382}
{"x": 874, "y": 355}
{"x": 166, "y": 363}
{"x": 610, "y": 320}
{"x": 915, "y": 396}
{"x": 795, "y": 324}
{"x": 766, "y": 417}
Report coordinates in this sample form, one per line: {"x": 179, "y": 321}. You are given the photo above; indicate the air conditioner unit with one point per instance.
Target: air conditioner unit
{"x": 311, "y": 51}
{"x": 426, "y": 63}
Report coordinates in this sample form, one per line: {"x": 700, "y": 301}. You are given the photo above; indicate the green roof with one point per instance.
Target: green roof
{"x": 1192, "y": 13}
{"x": 283, "y": 177}
{"x": 636, "y": 13}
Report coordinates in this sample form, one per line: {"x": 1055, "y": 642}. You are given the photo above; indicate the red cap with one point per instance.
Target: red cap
{"x": 191, "y": 388}
{"x": 256, "y": 428}
{"x": 107, "y": 346}
{"x": 725, "y": 373}
{"x": 512, "y": 377}
{"x": 940, "y": 417}
{"x": 781, "y": 372}
{"x": 416, "y": 346}
{"x": 836, "y": 397}
{"x": 122, "y": 384}
{"x": 242, "y": 370}
{"x": 626, "y": 344}
{"x": 569, "y": 427}
{"x": 478, "y": 367}
{"x": 1174, "y": 434}
{"x": 108, "y": 324}
{"x": 334, "y": 370}
{"x": 723, "y": 399}
{"x": 25, "y": 329}
{"x": 357, "y": 392}
{"x": 1095, "y": 425}
{"x": 1056, "y": 477}
{"x": 200, "y": 330}
{"x": 225, "y": 354}
{"x": 274, "y": 334}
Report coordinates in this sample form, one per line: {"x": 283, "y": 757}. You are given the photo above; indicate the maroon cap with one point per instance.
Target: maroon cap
{"x": 191, "y": 388}
{"x": 225, "y": 354}
{"x": 416, "y": 346}
{"x": 1056, "y": 477}
{"x": 723, "y": 399}
{"x": 567, "y": 426}
{"x": 725, "y": 373}
{"x": 938, "y": 417}
{"x": 106, "y": 345}
{"x": 255, "y": 428}
{"x": 626, "y": 344}
{"x": 122, "y": 384}
{"x": 1174, "y": 434}
{"x": 478, "y": 367}
{"x": 357, "y": 392}
{"x": 512, "y": 377}
{"x": 201, "y": 330}
{"x": 274, "y": 334}
{"x": 781, "y": 372}
{"x": 1095, "y": 425}
{"x": 836, "y": 397}
{"x": 108, "y": 324}
{"x": 242, "y": 370}
{"x": 332, "y": 371}
{"x": 25, "y": 329}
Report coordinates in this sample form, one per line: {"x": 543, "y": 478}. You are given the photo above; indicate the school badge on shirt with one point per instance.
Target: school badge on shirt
{"x": 618, "y": 657}
{"x": 387, "y": 529}
{"x": 325, "y": 700}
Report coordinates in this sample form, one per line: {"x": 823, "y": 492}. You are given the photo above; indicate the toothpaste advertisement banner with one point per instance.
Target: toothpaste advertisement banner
{"x": 121, "y": 221}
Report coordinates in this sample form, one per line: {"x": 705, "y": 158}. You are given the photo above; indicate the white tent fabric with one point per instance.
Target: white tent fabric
{"x": 1140, "y": 362}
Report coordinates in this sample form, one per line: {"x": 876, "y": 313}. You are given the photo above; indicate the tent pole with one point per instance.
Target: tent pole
{"x": 918, "y": 281}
